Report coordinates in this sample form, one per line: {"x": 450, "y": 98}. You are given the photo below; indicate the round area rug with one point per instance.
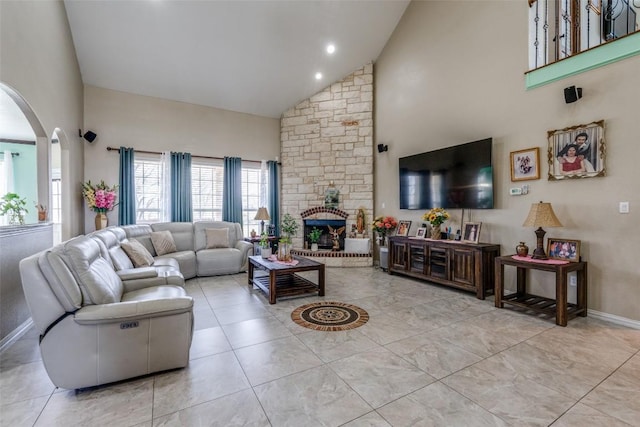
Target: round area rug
{"x": 329, "y": 316}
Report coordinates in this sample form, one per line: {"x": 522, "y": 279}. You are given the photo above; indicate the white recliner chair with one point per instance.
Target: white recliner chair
{"x": 93, "y": 328}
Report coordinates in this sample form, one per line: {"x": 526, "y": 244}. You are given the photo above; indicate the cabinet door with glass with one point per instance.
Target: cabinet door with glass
{"x": 416, "y": 257}
{"x": 397, "y": 256}
{"x": 438, "y": 262}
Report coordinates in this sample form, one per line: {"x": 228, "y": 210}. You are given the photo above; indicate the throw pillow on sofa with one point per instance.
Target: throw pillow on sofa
{"x": 163, "y": 242}
{"x": 217, "y": 237}
{"x": 137, "y": 253}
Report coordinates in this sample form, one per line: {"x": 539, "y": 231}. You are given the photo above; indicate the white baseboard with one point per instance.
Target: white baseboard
{"x": 15, "y": 335}
{"x": 629, "y": 323}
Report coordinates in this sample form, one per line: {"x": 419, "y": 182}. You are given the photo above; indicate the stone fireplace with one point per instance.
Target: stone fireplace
{"x": 322, "y": 219}
{"x": 329, "y": 137}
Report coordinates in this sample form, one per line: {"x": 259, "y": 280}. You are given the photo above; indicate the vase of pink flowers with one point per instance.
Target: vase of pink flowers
{"x": 100, "y": 198}
{"x": 384, "y": 225}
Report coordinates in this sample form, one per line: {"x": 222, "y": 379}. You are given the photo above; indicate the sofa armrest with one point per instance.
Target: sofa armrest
{"x": 247, "y": 249}
{"x": 137, "y": 273}
{"x": 244, "y": 247}
{"x": 132, "y": 310}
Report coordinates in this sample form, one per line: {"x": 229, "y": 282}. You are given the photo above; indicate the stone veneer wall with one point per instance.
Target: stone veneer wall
{"x": 329, "y": 137}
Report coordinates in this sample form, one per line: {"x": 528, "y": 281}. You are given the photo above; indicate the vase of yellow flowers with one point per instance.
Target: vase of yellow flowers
{"x": 436, "y": 217}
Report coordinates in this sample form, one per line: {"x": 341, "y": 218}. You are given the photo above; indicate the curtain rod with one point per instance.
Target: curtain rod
{"x": 199, "y": 157}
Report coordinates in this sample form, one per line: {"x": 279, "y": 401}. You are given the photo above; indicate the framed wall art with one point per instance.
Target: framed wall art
{"x": 568, "y": 250}
{"x": 577, "y": 152}
{"x": 471, "y": 232}
{"x": 525, "y": 164}
{"x": 403, "y": 228}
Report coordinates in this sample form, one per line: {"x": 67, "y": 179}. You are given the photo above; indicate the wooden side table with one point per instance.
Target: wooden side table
{"x": 273, "y": 243}
{"x": 560, "y": 307}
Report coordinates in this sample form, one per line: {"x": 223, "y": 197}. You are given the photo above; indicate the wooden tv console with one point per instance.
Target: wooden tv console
{"x": 467, "y": 266}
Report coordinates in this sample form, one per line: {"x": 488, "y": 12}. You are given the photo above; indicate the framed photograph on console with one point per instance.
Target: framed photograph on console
{"x": 403, "y": 228}
{"x": 525, "y": 164}
{"x": 421, "y": 233}
{"x": 568, "y": 250}
{"x": 577, "y": 152}
{"x": 471, "y": 232}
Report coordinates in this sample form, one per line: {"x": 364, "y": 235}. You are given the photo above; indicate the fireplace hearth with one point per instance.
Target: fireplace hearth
{"x": 323, "y": 218}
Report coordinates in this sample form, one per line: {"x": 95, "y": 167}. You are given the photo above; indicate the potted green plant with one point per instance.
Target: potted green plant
{"x": 11, "y": 204}
{"x": 265, "y": 249}
{"x": 314, "y": 237}
{"x": 289, "y": 228}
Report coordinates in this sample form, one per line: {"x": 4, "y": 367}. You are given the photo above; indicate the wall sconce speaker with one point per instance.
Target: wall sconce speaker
{"x": 382, "y": 148}
{"x": 572, "y": 94}
{"x": 88, "y": 135}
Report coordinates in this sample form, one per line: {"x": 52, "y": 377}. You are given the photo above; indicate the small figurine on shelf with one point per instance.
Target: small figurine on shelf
{"x": 335, "y": 236}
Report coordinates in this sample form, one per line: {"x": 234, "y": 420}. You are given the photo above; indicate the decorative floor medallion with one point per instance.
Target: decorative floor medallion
{"x": 329, "y": 316}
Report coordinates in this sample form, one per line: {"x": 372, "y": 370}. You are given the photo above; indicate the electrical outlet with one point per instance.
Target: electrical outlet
{"x": 573, "y": 280}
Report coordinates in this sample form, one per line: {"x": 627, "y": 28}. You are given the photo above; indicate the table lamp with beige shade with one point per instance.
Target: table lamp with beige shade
{"x": 541, "y": 215}
{"x": 262, "y": 215}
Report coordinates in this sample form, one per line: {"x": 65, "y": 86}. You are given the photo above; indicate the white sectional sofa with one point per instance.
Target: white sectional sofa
{"x": 97, "y": 326}
{"x": 112, "y": 305}
{"x": 201, "y": 247}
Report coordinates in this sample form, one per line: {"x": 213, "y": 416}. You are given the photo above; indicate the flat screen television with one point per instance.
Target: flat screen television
{"x": 454, "y": 177}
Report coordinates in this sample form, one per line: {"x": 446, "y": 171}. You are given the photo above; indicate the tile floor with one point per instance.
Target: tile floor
{"x": 428, "y": 356}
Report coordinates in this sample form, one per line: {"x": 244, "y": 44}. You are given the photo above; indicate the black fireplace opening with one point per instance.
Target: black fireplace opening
{"x": 326, "y": 240}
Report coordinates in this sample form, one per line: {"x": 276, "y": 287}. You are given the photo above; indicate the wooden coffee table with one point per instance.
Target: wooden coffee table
{"x": 282, "y": 279}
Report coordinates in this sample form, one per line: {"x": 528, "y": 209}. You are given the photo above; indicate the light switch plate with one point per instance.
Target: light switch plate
{"x": 624, "y": 207}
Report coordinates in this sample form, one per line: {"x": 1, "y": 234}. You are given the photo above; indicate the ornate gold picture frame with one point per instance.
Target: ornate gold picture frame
{"x": 577, "y": 152}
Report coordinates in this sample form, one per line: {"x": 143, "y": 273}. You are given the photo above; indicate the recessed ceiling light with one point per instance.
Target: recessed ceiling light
{"x": 330, "y": 49}
{"x": 318, "y": 76}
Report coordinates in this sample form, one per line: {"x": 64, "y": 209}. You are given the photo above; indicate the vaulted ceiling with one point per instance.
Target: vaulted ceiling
{"x": 256, "y": 57}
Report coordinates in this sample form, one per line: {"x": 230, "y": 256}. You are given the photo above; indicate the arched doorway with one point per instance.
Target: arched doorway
{"x": 22, "y": 160}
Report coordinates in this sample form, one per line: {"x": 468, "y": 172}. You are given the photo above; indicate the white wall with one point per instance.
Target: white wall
{"x": 453, "y": 72}
{"x": 38, "y": 60}
{"x": 153, "y": 124}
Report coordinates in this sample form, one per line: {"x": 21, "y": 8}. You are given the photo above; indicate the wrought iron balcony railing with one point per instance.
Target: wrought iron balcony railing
{"x": 562, "y": 28}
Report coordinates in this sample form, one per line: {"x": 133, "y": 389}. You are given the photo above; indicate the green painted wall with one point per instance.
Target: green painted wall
{"x": 25, "y": 175}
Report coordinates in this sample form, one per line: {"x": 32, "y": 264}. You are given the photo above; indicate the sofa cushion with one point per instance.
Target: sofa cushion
{"x": 163, "y": 242}
{"x": 186, "y": 261}
{"x": 98, "y": 282}
{"x": 110, "y": 243}
{"x": 182, "y": 233}
{"x": 61, "y": 280}
{"x": 213, "y": 262}
{"x": 217, "y": 237}
{"x": 139, "y": 255}
{"x": 200, "y": 235}
{"x": 142, "y": 233}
